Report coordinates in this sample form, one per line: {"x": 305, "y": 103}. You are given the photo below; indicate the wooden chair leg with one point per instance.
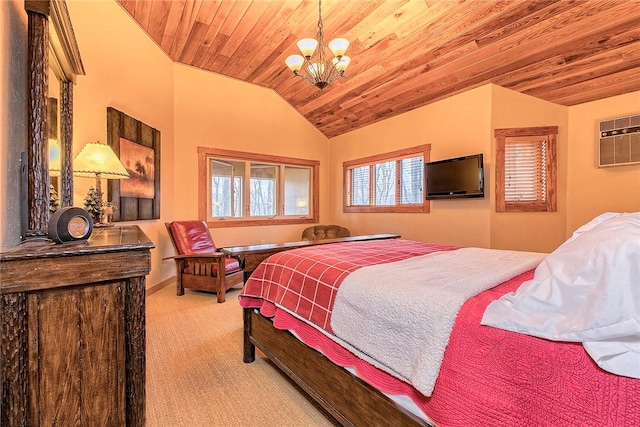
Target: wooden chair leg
{"x": 220, "y": 280}
{"x": 179, "y": 287}
{"x": 221, "y": 290}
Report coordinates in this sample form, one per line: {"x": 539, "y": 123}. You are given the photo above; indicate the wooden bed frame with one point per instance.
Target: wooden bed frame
{"x": 351, "y": 401}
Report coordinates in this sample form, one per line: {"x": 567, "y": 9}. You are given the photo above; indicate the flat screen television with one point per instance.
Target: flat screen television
{"x": 455, "y": 178}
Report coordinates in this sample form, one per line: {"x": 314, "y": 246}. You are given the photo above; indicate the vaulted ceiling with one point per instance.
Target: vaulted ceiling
{"x": 407, "y": 53}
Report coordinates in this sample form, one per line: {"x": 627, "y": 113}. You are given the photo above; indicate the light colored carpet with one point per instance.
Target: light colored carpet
{"x": 195, "y": 373}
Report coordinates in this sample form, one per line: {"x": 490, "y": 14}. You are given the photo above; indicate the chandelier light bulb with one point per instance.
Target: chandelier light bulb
{"x": 342, "y": 63}
{"x": 339, "y": 46}
{"x": 294, "y": 62}
{"x": 316, "y": 69}
{"x": 308, "y": 47}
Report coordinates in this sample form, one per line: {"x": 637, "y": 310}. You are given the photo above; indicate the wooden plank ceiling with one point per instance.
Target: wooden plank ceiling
{"x": 407, "y": 53}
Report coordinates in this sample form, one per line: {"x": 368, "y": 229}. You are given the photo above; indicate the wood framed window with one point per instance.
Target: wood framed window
{"x": 389, "y": 182}
{"x": 241, "y": 189}
{"x": 526, "y": 169}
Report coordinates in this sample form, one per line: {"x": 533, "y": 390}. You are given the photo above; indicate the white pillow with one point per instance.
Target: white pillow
{"x": 587, "y": 290}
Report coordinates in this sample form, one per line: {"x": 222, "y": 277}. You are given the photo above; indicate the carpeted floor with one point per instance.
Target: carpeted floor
{"x": 195, "y": 373}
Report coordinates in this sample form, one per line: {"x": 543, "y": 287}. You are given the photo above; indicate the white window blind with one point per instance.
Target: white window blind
{"x": 411, "y": 180}
{"x": 525, "y": 171}
{"x": 358, "y": 186}
{"x": 389, "y": 182}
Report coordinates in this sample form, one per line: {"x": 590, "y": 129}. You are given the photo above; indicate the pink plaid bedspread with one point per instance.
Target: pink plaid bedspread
{"x": 305, "y": 280}
{"x": 488, "y": 377}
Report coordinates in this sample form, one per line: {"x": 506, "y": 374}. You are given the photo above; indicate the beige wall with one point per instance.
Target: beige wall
{"x": 530, "y": 231}
{"x": 191, "y": 108}
{"x": 127, "y": 71}
{"x": 215, "y": 111}
{"x": 593, "y": 190}
{"x": 13, "y": 113}
{"x": 457, "y": 126}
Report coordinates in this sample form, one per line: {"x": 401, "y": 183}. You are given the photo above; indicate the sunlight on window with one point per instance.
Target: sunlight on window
{"x": 296, "y": 186}
{"x": 526, "y": 169}
{"x": 390, "y": 182}
{"x": 257, "y": 189}
{"x": 385, "y": 184}
{"x": 226, "y": 199}
{"x": 360, "y": 186}
{"x": 411, "y": 180}
{"x": 525, "y": 173}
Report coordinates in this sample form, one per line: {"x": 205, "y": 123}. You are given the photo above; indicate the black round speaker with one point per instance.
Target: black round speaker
{"x": 70, "y": 224}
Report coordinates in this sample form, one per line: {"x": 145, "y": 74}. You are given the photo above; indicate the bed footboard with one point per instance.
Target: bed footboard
{"x": 347, "y": 398}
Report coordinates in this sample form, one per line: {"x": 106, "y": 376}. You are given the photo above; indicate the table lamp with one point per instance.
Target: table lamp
{"x": 98, "y": 160}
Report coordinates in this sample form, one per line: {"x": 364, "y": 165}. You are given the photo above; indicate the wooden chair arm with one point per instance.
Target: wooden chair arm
{"x": 200, "y": 257}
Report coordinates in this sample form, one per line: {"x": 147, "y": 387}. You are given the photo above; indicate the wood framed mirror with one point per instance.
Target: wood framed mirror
{"x": 52, "y": 51}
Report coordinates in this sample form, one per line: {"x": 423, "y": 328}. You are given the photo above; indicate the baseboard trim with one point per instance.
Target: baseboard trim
{"x": 163, "y": 284}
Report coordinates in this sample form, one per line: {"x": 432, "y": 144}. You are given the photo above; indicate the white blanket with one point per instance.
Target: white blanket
{"x": 400, "y": 315}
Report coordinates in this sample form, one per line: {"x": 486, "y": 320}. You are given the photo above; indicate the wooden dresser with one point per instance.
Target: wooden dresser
{"x": 73, "y": 331}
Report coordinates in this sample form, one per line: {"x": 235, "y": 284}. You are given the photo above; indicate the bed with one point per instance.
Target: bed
{"x": 294, "y": 304}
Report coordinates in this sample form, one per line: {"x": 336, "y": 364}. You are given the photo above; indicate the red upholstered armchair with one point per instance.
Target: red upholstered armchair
{"x": 198, "y": 264}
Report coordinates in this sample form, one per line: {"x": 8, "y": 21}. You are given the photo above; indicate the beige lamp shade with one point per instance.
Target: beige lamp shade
{"x": 294, "y": 62}
{"x": 342, "y": 63}
{"x": 316, "y": 69}
{"x": 307, "y": 47}
{"x": 96, "y": 158}
{"x": 54, "y": 158}
{"x": 338, "y": 46}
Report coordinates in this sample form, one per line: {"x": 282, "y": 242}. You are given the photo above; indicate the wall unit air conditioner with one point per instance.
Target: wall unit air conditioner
{"x": 619, "y": 141}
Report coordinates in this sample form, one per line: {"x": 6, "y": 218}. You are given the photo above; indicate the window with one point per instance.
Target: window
{"x": 526, "y": 169}
{"x": 240, "y": 189}
{"x": 390, "y": 182}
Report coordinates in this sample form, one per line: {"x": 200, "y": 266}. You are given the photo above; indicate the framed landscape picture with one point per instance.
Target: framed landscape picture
{"x": 139, "y": 162}
{"x": 137, "y": 145}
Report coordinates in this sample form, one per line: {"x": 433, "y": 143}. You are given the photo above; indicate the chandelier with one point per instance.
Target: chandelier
{"x": 319, "y": 70}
